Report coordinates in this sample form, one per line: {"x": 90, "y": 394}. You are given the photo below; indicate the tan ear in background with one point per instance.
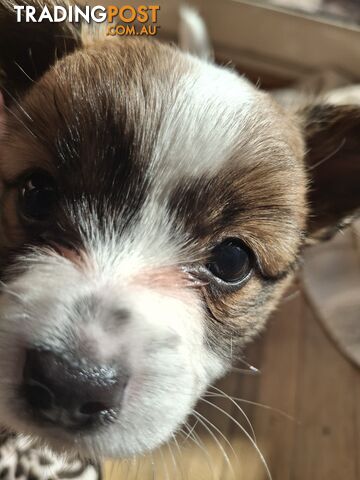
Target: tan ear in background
{"x": 331, "y": 272}
{"x": 332, "y": 136}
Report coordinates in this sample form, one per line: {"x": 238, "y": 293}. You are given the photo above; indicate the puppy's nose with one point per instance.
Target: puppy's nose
{"x": 70, "y": 394}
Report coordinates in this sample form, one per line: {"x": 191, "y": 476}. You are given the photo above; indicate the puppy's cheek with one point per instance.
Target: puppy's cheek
{"x": 173, "y": 329}
{"x": 235, "y": 318}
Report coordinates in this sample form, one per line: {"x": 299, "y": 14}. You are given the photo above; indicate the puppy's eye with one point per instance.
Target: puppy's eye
{"x": 37, "y": 196}
{"x": 231, "y": 261}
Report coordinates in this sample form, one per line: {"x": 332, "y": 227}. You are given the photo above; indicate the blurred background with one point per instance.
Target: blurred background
{"x": 291, "y": 409}
{"x": 274, "y": 42}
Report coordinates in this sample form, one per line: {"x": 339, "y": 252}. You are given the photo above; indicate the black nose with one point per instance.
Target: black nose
{"x": 70, "y": 394}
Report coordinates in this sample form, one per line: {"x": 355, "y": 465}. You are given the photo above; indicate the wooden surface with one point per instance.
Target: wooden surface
{"x": 302, "y": 375}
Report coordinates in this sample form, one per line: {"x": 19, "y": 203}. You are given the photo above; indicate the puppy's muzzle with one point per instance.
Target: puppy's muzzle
{"x": 70, "y": 394}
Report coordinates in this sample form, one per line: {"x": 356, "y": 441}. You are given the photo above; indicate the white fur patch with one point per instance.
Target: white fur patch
{"x": 209, "y": 119}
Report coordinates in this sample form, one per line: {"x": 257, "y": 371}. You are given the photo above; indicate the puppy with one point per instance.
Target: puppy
{"x": 154, "y": 208}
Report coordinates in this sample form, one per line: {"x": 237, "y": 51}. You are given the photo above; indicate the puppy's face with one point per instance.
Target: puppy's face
{"x": 153, "y": 211}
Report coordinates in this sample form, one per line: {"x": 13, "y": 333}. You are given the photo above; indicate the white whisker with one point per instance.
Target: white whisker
{"x": 249, "y": 366}
{"x": 19, "y": 120}
{"x": 191, "y": 430}
{"x": 153, "y": 466}
{"x": 203, "y": 421}
{"x": 224, "y": 395}
{"x": 17, "y": 103}
{"x": 332, "y": 154}
{"x": 200, "y": 445}
{"x": 244, "y": 371}
{"x": 166, "y": 471}
{"x": 248, "y": 436}
{"x": 173, "y": 459}
{"x": 265, "y": 407}
{"x": 23, "y": 71}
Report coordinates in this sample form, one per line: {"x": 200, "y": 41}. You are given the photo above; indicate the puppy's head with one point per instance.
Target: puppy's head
{"x": 153, "y": 211}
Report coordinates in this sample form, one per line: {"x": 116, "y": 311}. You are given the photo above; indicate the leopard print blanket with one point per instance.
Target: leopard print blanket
{"x": 18, "y": 461}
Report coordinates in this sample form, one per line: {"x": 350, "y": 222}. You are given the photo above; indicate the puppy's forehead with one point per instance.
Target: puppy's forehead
{"x": 177, "y": 114}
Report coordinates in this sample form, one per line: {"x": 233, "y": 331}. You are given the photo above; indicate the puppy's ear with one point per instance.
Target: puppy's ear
{"x": 332, "y": 136}
{"x": 193, "y": 35}
{"x": 27, "y": 50}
